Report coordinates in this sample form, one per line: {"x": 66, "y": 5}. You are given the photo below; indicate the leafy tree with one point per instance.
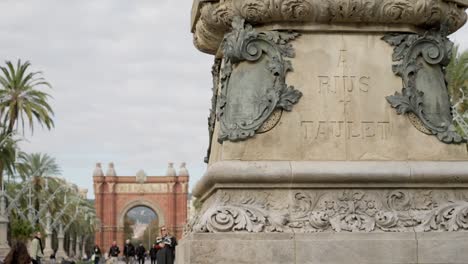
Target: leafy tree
{"x": 457, "y": 77}
{"x": 21, "y": 229}
{"x": 151, "y": 233}
{"x": 36, "y": 165}
{"x": 128, "y": 227}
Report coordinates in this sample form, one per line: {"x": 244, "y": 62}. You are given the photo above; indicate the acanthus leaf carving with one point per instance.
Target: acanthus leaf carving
{"x": 452, "y": 216}
{"x": 420, "y": 62}
{"x": 336, "y": 211}
{"x": 253, "y": 80}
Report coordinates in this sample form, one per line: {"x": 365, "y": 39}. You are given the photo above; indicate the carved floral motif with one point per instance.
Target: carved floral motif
{"x": 216, "y": 17}
{"x": 254, "y": 10}
{"x": 335, "y": 211}
{"x": 397, "y": 10}
{"x": 351, "y": 10}
{"x": 296, "y": 9}
{"x": 421, "y": 62}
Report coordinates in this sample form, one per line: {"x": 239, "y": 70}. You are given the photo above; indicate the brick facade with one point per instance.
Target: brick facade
{"x": 116, "y": 195}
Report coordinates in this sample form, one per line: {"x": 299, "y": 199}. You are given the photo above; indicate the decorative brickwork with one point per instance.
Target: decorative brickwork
{"x": 116, "y": 195}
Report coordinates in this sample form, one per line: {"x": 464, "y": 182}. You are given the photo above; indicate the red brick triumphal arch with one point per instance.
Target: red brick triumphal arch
{"x": 116, "y": 195}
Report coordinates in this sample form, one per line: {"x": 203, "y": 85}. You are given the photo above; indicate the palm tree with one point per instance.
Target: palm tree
{"x": 457, "y": 77}
{"x": 21, "y": 101}
{"x": 40, "y": 169}
{"x": 36, "y": 166}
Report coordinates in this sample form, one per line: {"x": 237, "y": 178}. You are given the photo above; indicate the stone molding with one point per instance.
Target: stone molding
{"x": 334, "y": 210}
{"x": 212, "y": 19}
{"x": 333, "y": 174}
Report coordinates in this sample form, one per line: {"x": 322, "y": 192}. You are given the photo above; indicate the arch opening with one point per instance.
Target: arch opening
{"x": 141, "y": 225}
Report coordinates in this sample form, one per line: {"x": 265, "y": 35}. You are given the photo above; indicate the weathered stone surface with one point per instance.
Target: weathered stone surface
{"x": 211, "y": 19}
{"x": 442, "y": 247}
{"x": 323, "y": 248}
{"x": 342, "y": 178}
{"x": 343, "y": 114}
{"x": 332, "y": 174}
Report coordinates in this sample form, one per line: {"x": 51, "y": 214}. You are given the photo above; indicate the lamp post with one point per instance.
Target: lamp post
{"x": 48, "y": 251}
{"x": 4, "y": 248}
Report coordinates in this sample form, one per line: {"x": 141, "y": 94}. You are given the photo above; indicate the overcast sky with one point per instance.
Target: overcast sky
{"x": 129, "y": 86}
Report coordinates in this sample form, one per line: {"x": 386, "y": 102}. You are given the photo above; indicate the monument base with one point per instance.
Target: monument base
{"x": 330, "y": 212}
{"x": 324, "y": 248}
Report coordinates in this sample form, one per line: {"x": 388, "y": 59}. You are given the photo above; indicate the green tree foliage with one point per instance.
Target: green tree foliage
{"x": 151, "y": 233}
{"x": 20, "y": 98}
{"x": 48, "y": 194}
{"x": 457, "y": 77}
{"x": 128, "y": 228}
{"x": 36, "y": 165}
{"x": 21, "y": 229}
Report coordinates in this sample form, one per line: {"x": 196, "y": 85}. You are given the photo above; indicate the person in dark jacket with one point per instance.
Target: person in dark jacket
{"x": 140, "y": 252}
{"x": 129, "y": 252}
{"x": 96, "y": 254}
{"x": 114, "y": 252}
{"x": 152, "y": 254}
{"x": 166, "y": 247}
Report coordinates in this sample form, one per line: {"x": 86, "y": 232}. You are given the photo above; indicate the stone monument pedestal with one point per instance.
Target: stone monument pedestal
{"x": 331, "y": 134}
{"x": 319, "y": 248}
{"x": 330, "y": 212}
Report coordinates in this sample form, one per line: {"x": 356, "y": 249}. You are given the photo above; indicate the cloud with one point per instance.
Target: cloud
{"x": 128, "y": 84}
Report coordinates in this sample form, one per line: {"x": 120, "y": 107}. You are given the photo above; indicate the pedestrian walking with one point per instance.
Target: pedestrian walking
{"x": 129, "y": 252}
{"x": 37, "y": 251}
{"x": 114, "y": 252}
{"x": 18, "y": 254}
{"x": 152, "y": 254}
{"x": 141, "y": 252}
{"x": 96, "y": 256}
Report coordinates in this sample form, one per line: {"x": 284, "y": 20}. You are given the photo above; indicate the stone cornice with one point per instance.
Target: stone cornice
{"x": 211, "y": 19}
{"x": 333, "y": 174}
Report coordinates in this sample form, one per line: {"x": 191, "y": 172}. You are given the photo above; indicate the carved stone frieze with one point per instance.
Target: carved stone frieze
{"x": 420, "y": 62}
{"x": 351, "y": 210}
{"x": 215, "y": 17}
{"x": 253, "y": 80}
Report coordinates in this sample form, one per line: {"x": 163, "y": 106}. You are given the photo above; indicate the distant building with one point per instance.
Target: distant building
{"x": 116, "y": 195}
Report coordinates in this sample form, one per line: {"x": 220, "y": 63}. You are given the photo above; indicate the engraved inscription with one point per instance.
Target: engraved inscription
{"x": 314, "y": 130}
{"x": 346, "y": 89}
{"x": 333, "y": 84}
